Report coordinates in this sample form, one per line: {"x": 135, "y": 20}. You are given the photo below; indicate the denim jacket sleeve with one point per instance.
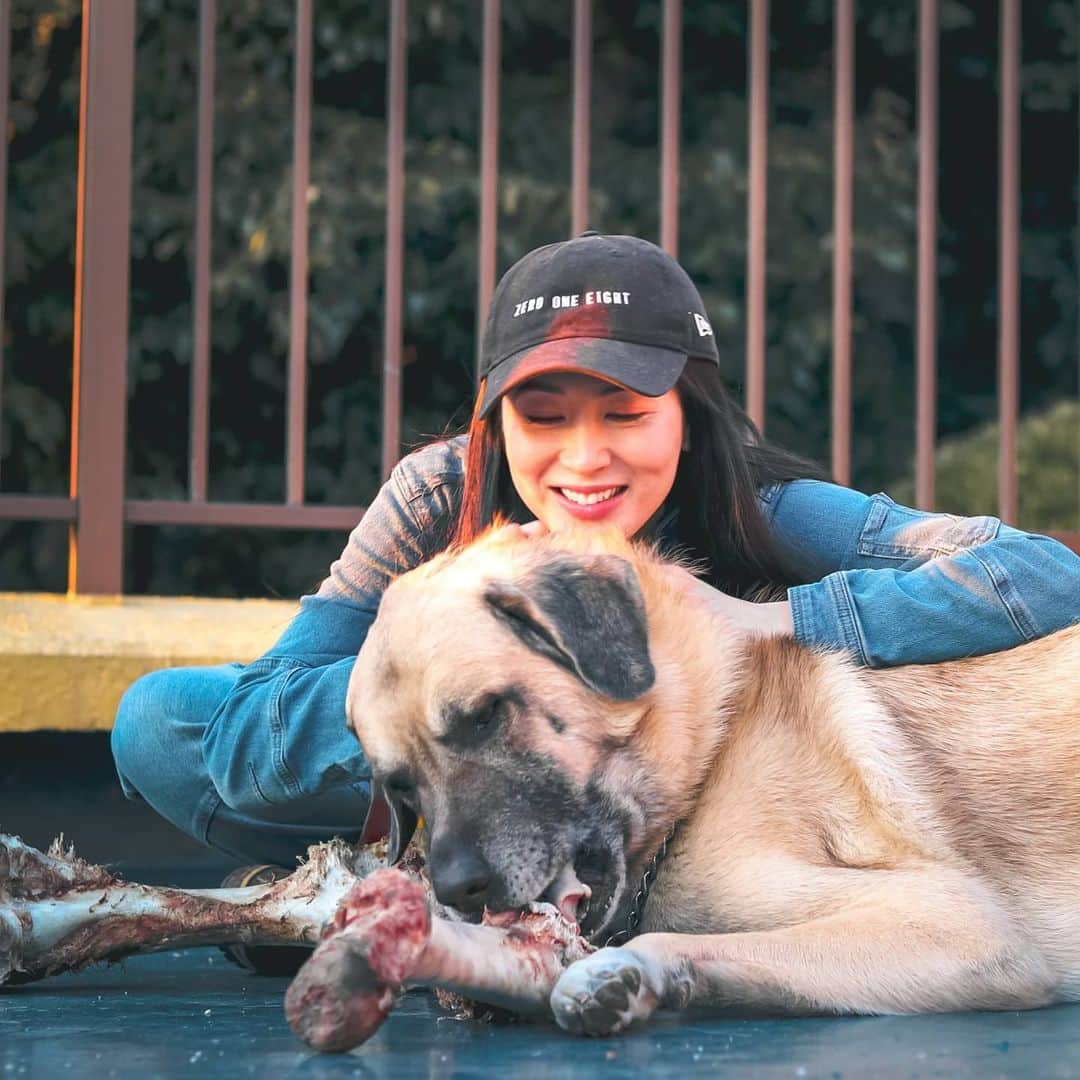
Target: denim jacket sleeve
{"x": 281, "y": 733}
{"x": 894, "y": 585}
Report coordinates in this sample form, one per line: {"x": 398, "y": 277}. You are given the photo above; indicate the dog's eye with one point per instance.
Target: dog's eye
{"x": 486, "y": 718}
{"x": 475, "y": 723}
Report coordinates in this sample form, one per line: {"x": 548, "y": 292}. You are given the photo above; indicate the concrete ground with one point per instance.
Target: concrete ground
{"x": 190, "y": 1013}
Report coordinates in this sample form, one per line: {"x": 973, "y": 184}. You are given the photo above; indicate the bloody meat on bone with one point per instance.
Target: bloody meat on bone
{"x": 384, "y": 937}
{"x": 59, "y": 913}
{"x": 377, "y": 929}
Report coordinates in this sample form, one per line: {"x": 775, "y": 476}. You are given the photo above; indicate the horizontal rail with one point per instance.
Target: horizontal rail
{"x": 253, "y": 515}
{"x": 37, "y": 508}
{"x": 182, "y": 512}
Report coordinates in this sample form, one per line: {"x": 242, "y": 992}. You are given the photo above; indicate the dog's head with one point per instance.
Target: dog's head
{"x": 497, "y": 696}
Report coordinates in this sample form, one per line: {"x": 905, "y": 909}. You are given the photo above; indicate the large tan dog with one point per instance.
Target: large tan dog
{"x": 847, "y": 840}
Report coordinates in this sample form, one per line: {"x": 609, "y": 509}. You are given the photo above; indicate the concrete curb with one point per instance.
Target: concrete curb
{"x": 66, "y": 661}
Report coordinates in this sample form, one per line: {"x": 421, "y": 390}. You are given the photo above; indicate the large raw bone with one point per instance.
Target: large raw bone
{"x": 384, "y": 937}
{"x": 377, "y": 930}
{"x": 59, "y": 913}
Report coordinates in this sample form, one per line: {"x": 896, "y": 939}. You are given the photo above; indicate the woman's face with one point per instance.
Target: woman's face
{"x": 582, "y": 450}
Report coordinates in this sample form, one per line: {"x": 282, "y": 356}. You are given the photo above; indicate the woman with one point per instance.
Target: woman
{"x": 601, "y": 402}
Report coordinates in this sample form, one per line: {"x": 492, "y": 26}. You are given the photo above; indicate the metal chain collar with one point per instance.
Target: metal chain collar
{"x": 637, "y": 905}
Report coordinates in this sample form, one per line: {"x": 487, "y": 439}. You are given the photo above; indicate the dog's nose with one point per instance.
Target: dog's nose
{"x": 461, "y": 878}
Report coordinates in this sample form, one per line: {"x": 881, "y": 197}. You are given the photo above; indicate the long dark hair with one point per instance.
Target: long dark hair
{"x": 720, "y": 524}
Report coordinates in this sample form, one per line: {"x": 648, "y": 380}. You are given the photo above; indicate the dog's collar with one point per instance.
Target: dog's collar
{"x": 637, "y": 905}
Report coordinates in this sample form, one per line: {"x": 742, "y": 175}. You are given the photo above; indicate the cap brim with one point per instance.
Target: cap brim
{"x": 645, "y": 369}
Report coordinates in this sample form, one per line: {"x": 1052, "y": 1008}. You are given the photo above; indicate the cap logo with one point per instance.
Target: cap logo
{"x": 703, "y": 327}
{"x": 533, "y": 304}
{"x": 572, "y": 300}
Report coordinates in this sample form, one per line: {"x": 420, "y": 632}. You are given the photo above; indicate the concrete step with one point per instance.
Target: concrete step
{"x": 66, "y": 661}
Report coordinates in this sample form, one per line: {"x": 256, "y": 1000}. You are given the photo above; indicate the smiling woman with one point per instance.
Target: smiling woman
{"x": 601, "y": 405}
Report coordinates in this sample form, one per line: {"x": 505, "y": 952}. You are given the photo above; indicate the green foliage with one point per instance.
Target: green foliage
{"x": 347, "y": 200}
{"x": 1047, "y": 466}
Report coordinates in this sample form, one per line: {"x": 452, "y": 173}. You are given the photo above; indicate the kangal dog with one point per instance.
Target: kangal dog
{"x": 818, "y": 837}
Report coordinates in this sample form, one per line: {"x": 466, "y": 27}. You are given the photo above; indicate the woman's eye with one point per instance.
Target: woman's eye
{"x": 626, "y": 416}
{"x": 542, "y": 419}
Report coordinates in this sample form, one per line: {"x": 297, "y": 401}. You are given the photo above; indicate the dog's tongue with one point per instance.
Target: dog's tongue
{"x": 567, "y": 893}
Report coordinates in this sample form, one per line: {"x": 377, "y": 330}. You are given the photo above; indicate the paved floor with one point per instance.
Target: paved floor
{"x": 191, "y": 1014}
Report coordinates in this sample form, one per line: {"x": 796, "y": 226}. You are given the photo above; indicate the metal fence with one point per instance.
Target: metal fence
{"x": 97, "y": 509}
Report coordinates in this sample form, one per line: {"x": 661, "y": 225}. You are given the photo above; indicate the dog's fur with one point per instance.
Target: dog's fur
{"x": 851, "y": 840}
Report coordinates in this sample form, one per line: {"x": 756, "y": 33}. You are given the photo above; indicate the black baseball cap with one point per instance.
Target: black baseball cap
{"x": 617, "y": 307}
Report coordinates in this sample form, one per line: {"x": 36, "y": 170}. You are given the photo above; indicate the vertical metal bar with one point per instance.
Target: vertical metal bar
{"x": 395, "y": 227}
{"x": 200, "y": 364}
{"x": 670, "y": 123}
{"x": 102, "y": 252}
{"x": 298, "y": 283}
{"x": 579, "y": 181}
{"x": 926, "y": 287}
{"x": 1009, "y": 259}
{"x": 758, "y": 185}
{"x": 489, "y": 169}
{"x": 5, "y": 87}
{"x": 841, "y": 316}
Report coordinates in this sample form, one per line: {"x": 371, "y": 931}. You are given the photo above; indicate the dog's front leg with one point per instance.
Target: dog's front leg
{"x": 910, "y": 943}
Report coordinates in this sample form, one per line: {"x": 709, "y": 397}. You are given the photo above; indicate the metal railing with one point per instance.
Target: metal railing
{"x": 97, "y": 509}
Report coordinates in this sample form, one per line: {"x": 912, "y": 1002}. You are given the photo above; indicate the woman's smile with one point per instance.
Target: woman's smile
{"x": 592, "y": 504}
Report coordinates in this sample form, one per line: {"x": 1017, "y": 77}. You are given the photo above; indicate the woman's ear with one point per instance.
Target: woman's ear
{"x": 685, "y": 438}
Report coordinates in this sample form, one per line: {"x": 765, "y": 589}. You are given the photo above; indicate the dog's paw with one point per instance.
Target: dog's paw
{"x": 604, "y": 993}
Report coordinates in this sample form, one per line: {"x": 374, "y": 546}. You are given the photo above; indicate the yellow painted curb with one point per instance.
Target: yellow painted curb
{"x": 66, "y": 661}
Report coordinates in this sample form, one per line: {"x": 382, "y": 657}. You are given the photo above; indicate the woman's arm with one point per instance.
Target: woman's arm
{"x": 281, "y": 733}
{"x": 894, "y": 585}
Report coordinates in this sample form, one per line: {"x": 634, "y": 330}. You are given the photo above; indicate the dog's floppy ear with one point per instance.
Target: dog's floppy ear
{"x": 403, "y": 822}
{"x": 587, "y": 614}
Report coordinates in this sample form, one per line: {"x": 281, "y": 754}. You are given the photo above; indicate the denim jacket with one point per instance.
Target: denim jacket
{"x": 889, "y": 585}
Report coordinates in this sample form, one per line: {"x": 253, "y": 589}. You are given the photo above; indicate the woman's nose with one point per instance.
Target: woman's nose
{"x": 586, "y": 448}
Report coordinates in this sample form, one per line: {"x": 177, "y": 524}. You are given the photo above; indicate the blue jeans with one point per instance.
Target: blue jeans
{"x": 157, "y": 745}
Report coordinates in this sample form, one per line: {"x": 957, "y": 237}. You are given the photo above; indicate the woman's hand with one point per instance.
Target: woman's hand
{"x": 753, "y": 620}
{"x": 534, "y": 529}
